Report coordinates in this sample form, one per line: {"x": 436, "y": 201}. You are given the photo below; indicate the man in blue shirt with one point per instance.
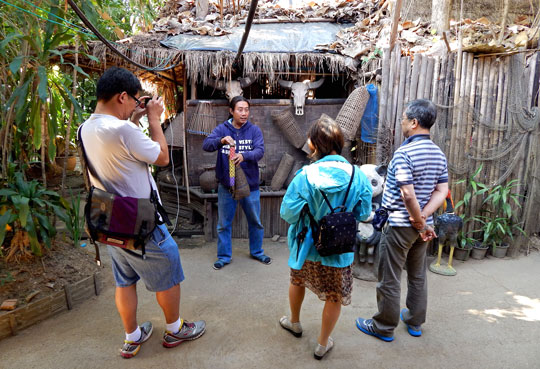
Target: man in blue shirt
{"x": 248, "y": 141}
{"x": 416, "y": 186}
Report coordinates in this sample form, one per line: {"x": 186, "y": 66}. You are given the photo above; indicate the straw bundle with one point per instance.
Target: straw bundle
{"x": 350, "y": 114}
{"x": 287, "y": 124}
{"x": 203, "y": 120}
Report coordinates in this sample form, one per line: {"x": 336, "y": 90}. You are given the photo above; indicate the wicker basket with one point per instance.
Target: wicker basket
{"x": 282, "y": 172}
{"x": 350, "y": 114}
{"x": 241, "y": 185}
{"x": 287, "y": 124}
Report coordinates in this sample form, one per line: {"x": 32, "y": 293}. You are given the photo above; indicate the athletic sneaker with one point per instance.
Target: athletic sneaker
{"x": 414, "y": 330}
{"x": 131, "y": 348}
{"x": 366, "y": 326}
{"x": 188, "y": 332}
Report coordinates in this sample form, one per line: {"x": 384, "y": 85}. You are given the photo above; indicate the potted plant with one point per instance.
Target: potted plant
{"x": 479, "y": 250}
{"x": 467, "y": 245}
{"x": 500, "y": 225}
{"x": 464, "y": 246}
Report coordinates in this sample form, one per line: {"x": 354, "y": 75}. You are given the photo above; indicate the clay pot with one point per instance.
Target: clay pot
{"x": 207, "y": 180}
{"x": 479, "y": 251}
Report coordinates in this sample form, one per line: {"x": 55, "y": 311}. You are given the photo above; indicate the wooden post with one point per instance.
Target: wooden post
{"x": 440, "y": 14}
{"x": 184, "y": 151}
{"x": 400, "y": 96}
{"x": 395, "y": 23}
{"x": 382, "y": 154}
{"x": 413, "y": 88}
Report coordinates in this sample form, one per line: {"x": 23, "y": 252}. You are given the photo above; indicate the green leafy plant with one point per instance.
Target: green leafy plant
{"x": 26, "y": 207}
{"x": 73, "y": 219}
{"x": 475, "y": 190}
{"x": 501, "y": 224}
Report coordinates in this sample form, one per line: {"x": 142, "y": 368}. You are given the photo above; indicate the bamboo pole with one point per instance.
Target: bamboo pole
{"x": 435, "y": 80}
{"x": 532, "y": 72}
{"x": 381, "y": 150}
{"x": 396, "y": 59}
{"x": 456, "y": 113}
{"x": 448, "y": 99}
{"x": 398, "y": 137}
{"x": 429, "y": 79}
{"x": 462, "y": 120}
{"x": 417, "y": 63}
{"x": 492, "y": 112}
{"x": 422, "y": 78}
{"x": 497, "y": 120}
{"x": 407, "y": 97}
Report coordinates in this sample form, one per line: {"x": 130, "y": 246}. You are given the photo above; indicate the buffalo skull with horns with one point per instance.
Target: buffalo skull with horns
{"x": 231, "y": 88}
{"x": 299, "y": 92}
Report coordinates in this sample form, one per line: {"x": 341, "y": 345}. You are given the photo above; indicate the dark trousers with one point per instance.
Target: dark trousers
{"x": 399, "y": 247}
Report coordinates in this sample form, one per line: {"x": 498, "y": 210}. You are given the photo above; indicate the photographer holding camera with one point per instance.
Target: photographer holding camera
{"x": 119, "y": 153}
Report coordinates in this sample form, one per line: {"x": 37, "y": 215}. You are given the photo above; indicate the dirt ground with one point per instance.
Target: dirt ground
{"x": 61, "y": 265}
{"x": 487, "y": 316}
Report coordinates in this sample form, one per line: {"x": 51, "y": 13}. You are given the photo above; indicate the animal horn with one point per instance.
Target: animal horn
{"x": 246, "y": 82}
{"x": 217, "y": 84}
{"x": 316, "y": 84}
{"x": 285, "y": 84}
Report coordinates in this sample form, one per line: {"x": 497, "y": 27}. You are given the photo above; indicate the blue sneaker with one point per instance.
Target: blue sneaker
{"x": 414, "y": 330}
{"x": 366, "y": 326}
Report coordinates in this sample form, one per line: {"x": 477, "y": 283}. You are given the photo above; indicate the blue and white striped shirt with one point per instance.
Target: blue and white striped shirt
{"x": 419, "y": 162}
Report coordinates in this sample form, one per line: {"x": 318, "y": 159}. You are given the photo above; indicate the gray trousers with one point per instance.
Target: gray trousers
{"x": 399, "y": 247}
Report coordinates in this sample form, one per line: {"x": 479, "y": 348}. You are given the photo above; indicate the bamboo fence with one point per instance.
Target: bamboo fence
{"x": 487, "y": 114}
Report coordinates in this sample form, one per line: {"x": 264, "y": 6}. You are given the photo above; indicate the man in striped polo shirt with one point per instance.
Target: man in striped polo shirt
{"x": 416, "y": 186}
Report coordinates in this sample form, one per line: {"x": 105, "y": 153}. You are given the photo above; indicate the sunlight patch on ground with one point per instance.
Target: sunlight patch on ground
{"x": 528, "y": 309}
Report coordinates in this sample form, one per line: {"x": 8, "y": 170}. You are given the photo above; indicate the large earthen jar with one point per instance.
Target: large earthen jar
{"x": 207, "y": 179}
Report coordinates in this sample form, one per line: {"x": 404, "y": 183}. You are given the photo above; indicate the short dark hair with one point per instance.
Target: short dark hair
{"x": 116, "y": 80}
{"x": 325, "y": 136}
{"x": 423, "y": 110}
{"x": 235, "y": 100}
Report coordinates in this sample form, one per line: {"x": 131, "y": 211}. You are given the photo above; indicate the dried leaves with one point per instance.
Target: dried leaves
{"x": 370, "y": 32}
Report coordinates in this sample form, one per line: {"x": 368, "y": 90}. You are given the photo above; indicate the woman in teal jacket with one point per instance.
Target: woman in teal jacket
{"x": 330, "y": 278}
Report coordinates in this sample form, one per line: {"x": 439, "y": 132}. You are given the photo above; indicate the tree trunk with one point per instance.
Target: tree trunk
{"x": 440, "y": 14}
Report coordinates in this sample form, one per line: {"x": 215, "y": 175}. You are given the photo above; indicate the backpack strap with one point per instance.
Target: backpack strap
{"x": 346, "y": 194}
{"x": 86, "y": 168}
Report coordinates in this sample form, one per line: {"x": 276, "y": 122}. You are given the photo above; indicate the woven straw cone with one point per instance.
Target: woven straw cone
{"x": 241, "y": 185}
{"x": 350, "y": 114}
{"x": 282, "y": 172}
{"x": 287, "y": 124}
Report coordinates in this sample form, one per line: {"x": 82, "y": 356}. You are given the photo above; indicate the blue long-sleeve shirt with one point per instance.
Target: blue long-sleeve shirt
{"x": 330, "y": 174}
{"x": 249, "y": 142}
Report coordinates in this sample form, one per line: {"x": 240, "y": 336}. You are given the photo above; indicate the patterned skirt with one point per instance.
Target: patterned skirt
{"x": 328, "y": 283}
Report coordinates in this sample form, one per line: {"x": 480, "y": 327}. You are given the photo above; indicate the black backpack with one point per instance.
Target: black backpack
{"x": 335, "y": 233}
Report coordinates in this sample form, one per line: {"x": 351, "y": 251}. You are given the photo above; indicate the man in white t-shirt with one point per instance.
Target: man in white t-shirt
{"x": 119, "y": 153}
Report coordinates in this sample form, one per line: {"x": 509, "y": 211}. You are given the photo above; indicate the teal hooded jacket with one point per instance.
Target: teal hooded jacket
{"x": 330, "y": 174}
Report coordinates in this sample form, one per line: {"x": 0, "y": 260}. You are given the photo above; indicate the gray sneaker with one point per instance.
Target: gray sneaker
{"x": 188, "y": 332}
{"x": 131, "y": 348}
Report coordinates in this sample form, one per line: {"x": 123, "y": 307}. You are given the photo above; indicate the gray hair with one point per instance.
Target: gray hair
{"x": 423, "y": 110}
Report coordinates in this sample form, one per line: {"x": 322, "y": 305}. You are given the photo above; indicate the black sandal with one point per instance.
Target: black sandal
{"x": 267, "y": 260}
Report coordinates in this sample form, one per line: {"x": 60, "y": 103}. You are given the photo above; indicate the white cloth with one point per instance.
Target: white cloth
{"x": 119, "y": 152}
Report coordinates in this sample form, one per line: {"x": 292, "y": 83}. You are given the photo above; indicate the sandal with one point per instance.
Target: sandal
{"x": 219, "y": 264}
{"x": 267, "y": 260}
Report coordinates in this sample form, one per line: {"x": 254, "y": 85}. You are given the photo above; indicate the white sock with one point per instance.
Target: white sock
{"x": 175, "y": 327}
{"x": 134, "y": 336}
